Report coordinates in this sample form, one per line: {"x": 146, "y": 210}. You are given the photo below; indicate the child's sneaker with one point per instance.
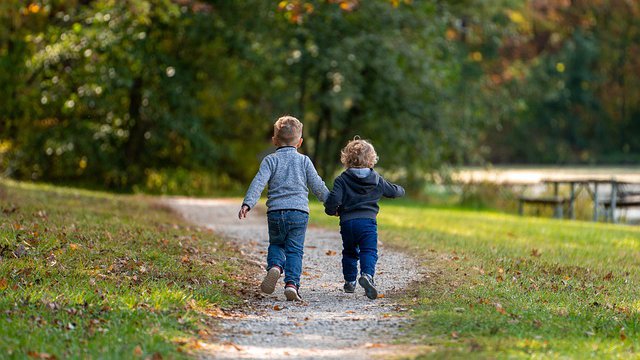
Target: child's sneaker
{"x": 291, "y": 292}
{"x": 350, "y": 287}
{"x": 270, "y": 280}
{"x": 366, "y": 281}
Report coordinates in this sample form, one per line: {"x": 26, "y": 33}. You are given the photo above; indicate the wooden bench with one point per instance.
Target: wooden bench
{"x": 620, "y": 198}
{"x": 555, "y": 201}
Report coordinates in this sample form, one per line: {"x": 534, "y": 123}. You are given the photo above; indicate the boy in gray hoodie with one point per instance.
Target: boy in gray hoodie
{"x": 290, "y": 175}
{"x": 354, "y": 198}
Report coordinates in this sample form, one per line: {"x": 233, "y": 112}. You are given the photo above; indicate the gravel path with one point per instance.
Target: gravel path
{"x": 328, "y": 324}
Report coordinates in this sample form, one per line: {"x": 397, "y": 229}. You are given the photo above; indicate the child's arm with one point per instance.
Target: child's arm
{"x": 335, "y": 199}
{"x": 255, "y": 189}
{"x": 315, "y": 182}
{"x": 391, "y": 190}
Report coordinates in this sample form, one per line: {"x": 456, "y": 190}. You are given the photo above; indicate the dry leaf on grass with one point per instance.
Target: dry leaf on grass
{"x": 137, "y": 351}
{"x": 38, "y": 355}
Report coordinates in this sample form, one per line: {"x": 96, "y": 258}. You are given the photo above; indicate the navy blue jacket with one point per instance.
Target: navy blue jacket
{"x": 356, "y": 197}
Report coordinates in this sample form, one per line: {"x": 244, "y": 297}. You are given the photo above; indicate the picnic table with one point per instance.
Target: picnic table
{"x": 621, "y": 195}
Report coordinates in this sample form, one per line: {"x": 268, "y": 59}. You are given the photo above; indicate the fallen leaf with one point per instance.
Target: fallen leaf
{"x": 238, "y": 348}
{"x": 330, "y": 252}
{"x": 185, "y": 259}
{"x": 73, "y": 246}
{"x": 380, "y": 296}
{"x": 278, "y": 307}
{"x": 192, "y": 303}
{"x": 537, "y": 323}
{"x": 38, "y": 355}
{"x": 455, "y": 335}
{"x": 500, "y": 309}
{"x": 350, "y": 312}
{"x": 608, "y": 277}
{"x": 20, "y": 251}
{"x": 137, "y": 351}
{"x": 3, "y": 284}
{"x": 535, "y": 253}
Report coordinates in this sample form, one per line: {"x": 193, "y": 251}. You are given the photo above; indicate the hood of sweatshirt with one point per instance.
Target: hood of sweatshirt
{"x": 365, "y": 182}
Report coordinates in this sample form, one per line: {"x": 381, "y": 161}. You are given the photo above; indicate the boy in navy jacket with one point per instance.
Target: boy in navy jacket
{"x": 354, "y": 198}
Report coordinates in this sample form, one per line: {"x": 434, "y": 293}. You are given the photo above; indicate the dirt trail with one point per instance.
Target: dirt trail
{"x": 329, "y": 323}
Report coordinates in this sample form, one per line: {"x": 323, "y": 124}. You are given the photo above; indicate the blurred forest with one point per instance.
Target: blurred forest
{"x": 176, "y": 96}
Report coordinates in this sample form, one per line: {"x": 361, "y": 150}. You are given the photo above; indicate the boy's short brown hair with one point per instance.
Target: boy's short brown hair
{"x": 287, "y": 130}
{"x": 358, "y": 153}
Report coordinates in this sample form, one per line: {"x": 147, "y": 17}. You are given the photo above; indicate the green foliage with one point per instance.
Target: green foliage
{"x": 91, "y": 275}
{"x": 118, "y": 90}
{"x": 105, "y": 92}
{"x": 575, "y": 90}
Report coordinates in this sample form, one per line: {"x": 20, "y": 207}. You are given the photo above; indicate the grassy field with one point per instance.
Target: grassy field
{"x": 92, "y": 275}
{"x": 501, "y": 286}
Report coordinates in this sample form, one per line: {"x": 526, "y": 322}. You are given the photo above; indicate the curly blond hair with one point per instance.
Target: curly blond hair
{"x": 358, "y": 153}
{"x": 287, "y": 130}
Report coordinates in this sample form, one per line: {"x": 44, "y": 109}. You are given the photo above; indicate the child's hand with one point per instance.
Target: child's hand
{"x": 242, "y": 214}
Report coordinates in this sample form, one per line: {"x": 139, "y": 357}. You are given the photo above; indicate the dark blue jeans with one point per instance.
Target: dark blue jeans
{"x": 286, "y": 242}
{"x": 359, "y": 242}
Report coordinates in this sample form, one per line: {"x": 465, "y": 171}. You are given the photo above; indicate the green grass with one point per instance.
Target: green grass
{"x": 91, "y": 275}
{"x": 502, "y": 286}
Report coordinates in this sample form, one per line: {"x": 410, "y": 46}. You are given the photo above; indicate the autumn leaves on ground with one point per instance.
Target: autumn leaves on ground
{"x": 94, "y": 275}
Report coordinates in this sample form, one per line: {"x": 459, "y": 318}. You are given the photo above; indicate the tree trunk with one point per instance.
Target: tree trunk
{"x": 133, "y": 145}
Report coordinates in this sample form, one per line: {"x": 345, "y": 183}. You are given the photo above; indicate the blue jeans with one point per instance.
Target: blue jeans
{"x": 359, "y": 242}
{"x": 286, "y": 242}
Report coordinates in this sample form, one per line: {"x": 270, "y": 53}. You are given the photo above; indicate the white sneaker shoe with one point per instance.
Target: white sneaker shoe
{"x": 270, "y": 280}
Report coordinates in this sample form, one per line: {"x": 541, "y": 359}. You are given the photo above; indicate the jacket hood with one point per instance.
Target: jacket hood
{"x": 365, "y": 184}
